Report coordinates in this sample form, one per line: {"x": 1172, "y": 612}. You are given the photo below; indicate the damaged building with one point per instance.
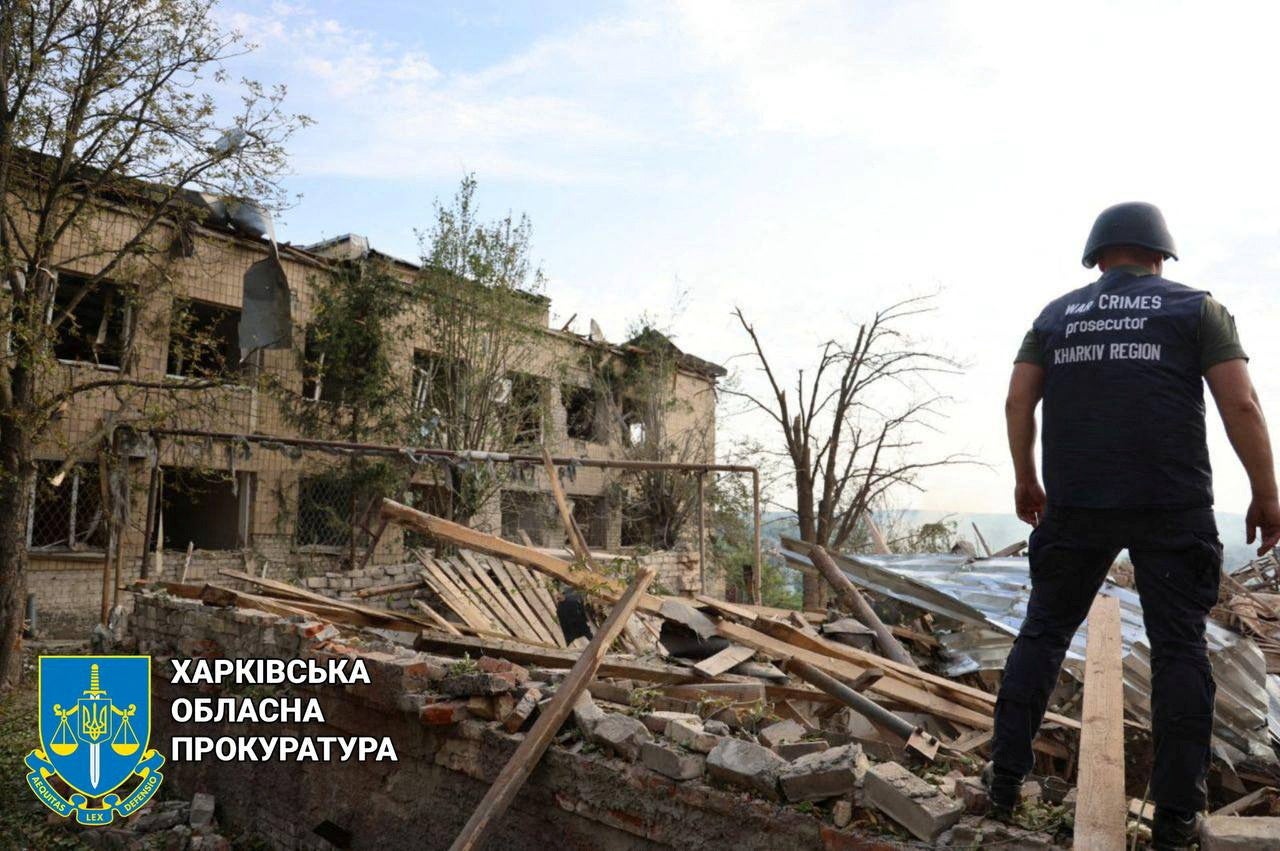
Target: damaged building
{"x": 226, "y": 479}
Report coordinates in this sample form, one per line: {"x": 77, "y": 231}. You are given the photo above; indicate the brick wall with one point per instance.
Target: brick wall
{"x": 572, "y": 800}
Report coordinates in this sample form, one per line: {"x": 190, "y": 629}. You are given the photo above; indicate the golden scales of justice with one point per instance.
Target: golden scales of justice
{"x": 97, "y": 722}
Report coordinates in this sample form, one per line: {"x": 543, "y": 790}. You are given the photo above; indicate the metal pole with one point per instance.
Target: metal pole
{"x": 153, "y": 492}
{"x": 755, "y": 507}
{"x": 702, "y": 531}
{"x": 502, "y": 457}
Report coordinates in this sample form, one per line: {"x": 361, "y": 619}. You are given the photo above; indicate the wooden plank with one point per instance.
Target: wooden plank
{"x": 453, "y": 597}
{"x": 737, "y": 692}
{"x": 571, "y": 529}
{"x": 849, "y": 596}
{"x": 396, "y": 588}
{"x": 549, "y": 657}
{"x": 889, "y": 687}
{"x": 515, "y": 595}
{"x": 436, "y": 618}
{"x": 1100, "y": 810}
{"x": 967, "y": 695}
{"x": 1243, "y": 803}
{"x": 723, "y": 607}
{"x": 517, "y": 770}
{"x": 971, "y": 741}
{"x": 295, "y": 593}
{"x": 498, "y": 601}
{"x": 469, "y": 587}
{"x": 562, "y": 571}
{"x": 538, "y": 595}
{"x": 714, "y": 666}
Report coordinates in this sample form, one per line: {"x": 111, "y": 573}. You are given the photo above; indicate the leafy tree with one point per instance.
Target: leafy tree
{"x": 477, "y": 386}
{"x": 107, "y": 128}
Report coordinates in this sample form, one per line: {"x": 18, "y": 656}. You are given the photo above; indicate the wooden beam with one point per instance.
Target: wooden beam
{"x": 517, "y": 770}
{"x": 571, "y": 530}
{"x": 858, "y": 606}
{"x": 436, "y": 618}
{"x": 877, "y": 537}
{"x": 1101, "y": 809}
{"x": 550, "y": 657}
{"x": 714, "y": 666}
{"x": 562, "y": 571}
{"x": 376, "y": 590}
{"x": 986, "y": 548}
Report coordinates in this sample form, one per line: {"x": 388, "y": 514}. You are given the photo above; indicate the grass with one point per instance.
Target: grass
{"x": 24, "y": 821}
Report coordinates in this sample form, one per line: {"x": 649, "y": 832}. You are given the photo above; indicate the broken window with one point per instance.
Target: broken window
{"x": 68, "y": 516}
{"x": 327, "y": 510}
{"x": 528, "y": 512}
{"x": 210, "y": 509}
{"x": 435, "y": 377}
{"x": 318, "y": 383}
{"x": 592, "y": 514}
{"x": 633, "y": 423}
{"x": 204, "y": 340}
{"x": 97, "y": 331}
{"x": 580, "y": 412}
{"x": 524, "y": 396}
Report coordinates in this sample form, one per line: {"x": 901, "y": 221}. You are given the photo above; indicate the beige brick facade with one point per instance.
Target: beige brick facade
{"x": 257, "y": 524}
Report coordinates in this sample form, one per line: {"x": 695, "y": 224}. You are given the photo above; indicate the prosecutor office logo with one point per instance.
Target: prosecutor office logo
{"x": 95, "y": 727}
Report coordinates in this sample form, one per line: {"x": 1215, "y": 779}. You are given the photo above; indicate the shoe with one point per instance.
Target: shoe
{"x": 1174, "y": 831}
{"x": 1004, "y": 790}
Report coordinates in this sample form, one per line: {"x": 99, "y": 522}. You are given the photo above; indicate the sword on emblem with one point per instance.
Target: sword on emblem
{"x": 95, "y": 722}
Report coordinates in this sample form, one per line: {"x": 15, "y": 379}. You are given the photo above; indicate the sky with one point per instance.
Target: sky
{"x": 807, "y": 162}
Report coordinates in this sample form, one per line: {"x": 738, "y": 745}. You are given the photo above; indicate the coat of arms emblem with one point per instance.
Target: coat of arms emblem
{"x": 95, "y": 727}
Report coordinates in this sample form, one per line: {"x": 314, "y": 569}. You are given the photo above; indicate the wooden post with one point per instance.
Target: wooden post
{"x": 702, "y": 532}
{"x": 149, "y": 526}
{"x": 877, "y": 537}
{"x": 855, "y": 603}
{"x": 576, "y": 541}
{"x": 755, "y": 510}
{"x": 1100, "y": 813}
{"x": 517, "y": 770}
{"x": 108, "y": 515}
{"x": 986, "y": 548}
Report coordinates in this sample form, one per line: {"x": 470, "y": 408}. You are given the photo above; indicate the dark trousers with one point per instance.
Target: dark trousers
{"x": 1177, "y": 560}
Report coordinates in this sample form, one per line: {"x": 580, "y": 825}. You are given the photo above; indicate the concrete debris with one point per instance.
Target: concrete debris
{"x": 620, "y": 734}
{"x": 747, "y": 765}
{"x": 782, "y": 733}
{"x": 586, "y": 714}
{"x": 911, "y": 802}
{"x": 828, "y": 774}
{"x": 842, "y": 813}
{"x": 690, "y": 735}
{"x": 1236, "y": 833}
{"x": 657, "y": 721}
{"x": 202, "y": 807}
{"x": 795, "y": 750}
{"x": 673, "y": 762}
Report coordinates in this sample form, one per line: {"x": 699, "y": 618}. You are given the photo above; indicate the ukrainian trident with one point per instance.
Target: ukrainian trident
{"x": 75, "y": 724}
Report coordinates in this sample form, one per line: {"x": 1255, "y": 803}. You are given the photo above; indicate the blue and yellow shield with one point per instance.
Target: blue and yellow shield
{"x": 95, "y": 725}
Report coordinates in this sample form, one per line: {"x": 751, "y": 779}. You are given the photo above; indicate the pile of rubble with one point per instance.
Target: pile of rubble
{"x": 835, "y": 714}
{"x": 170, "y": 825}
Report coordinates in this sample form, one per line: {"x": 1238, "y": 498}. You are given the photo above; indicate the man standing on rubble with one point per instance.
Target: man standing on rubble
{"x": 1118, "y": 365}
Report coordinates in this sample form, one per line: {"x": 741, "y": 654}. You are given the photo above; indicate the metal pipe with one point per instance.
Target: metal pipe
{"x": 916, "y": 738}
{"x": 702, "y": 532}
{"x": 755, "y": 508}
{"x": 467, "y": 454}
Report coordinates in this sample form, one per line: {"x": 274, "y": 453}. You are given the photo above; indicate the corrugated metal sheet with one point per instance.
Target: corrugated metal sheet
{"x": 986, "y": 599}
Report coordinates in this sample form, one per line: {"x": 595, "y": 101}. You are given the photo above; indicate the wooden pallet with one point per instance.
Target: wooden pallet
{"x": 495, "y": 596}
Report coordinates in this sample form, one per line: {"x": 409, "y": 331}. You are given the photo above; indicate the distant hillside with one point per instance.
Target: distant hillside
{"x": 1003, "y": 529}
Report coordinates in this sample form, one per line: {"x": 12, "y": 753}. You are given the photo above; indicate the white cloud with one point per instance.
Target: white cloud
{"x": 812, "y": 161}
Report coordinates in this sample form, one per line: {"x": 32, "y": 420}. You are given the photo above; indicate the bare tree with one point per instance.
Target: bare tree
{"x": 850, "y": 427}
{"x": 108, "y": 136}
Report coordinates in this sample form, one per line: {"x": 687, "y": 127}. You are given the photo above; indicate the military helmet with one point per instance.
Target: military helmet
{"x": 1131, "y": 223}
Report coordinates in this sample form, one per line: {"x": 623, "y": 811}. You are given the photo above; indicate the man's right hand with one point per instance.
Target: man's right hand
{"x": 1262, "y": 520}
{"x": 1029, "y": 499}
